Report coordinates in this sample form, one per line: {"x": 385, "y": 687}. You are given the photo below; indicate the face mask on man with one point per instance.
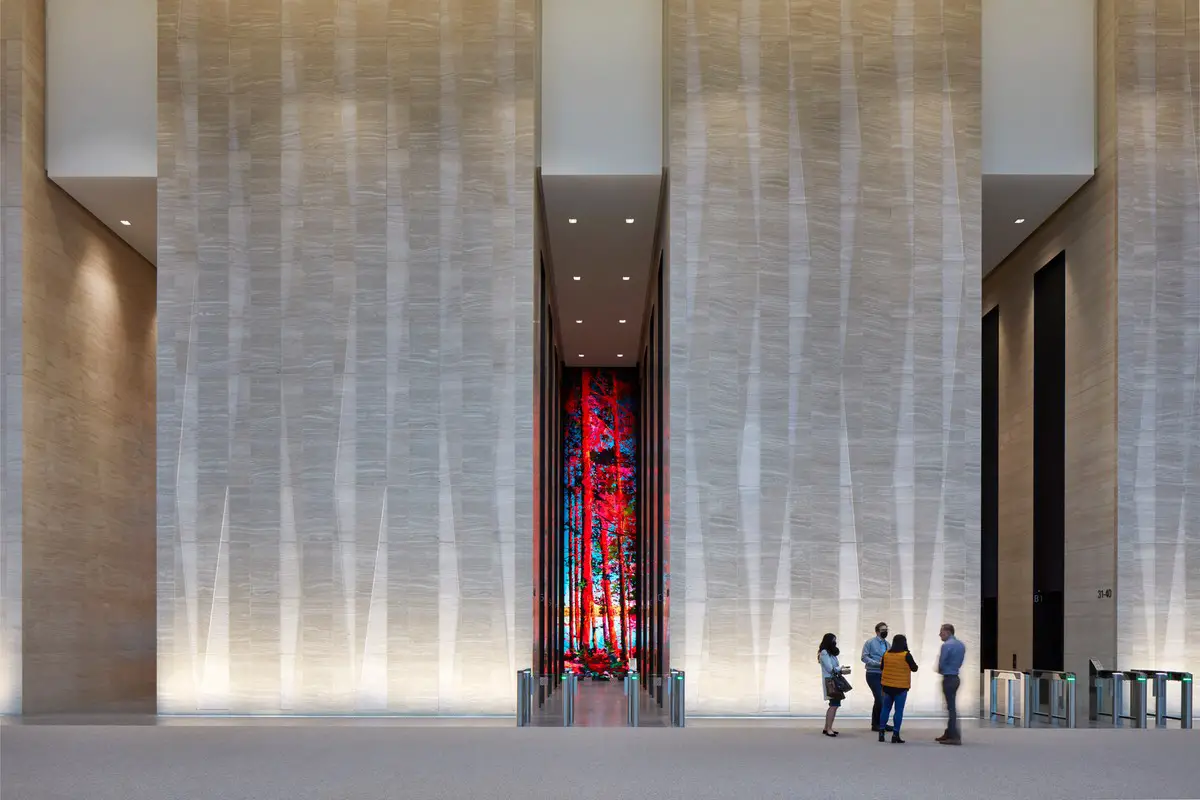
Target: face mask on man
{"x": 883, "y": 633}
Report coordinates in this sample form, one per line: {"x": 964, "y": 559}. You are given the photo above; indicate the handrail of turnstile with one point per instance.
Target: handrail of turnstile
{"x": 1062, "y": 694}
{"x": 1158, "y": 679}
{"x": 525, "y": 686}
{"x": 1114, "y": 681}
{"x": 677, "y": 697}
{"x": 994, "y": 678}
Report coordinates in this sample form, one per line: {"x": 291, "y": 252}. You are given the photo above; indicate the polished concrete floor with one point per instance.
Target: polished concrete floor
{"x": 350, "y": 760}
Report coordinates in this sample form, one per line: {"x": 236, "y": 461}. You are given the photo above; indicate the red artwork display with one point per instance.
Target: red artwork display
{"x": 600, "y": 520}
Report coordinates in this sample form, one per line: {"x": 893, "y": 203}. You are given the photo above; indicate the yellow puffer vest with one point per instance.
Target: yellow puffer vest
{"x": 896, "y": 673}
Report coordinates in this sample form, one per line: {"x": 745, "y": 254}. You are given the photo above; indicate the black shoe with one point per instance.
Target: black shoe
{"x": 881, "y": 736}
{"x": 889, "y": 729}
{"x": 895, "y": 739}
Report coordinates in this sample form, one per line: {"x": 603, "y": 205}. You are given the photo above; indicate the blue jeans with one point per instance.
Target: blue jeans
{"x": 898, "y": 701}
{"x": 875, "y": 682}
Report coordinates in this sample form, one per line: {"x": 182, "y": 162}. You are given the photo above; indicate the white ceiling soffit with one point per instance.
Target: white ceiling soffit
{"x": 601, "y": 87}
{"x": 114, "y": 200}
{"x": 612, "y": 259}
{"x": 1009, "y": 198}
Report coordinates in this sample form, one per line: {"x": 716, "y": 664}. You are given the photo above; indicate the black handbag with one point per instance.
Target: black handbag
{"x": 841, "y": 684}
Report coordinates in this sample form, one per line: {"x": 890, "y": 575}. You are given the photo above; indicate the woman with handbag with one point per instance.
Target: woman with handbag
{"x": 895, "y": 680}
{"x": 832, "y": 680}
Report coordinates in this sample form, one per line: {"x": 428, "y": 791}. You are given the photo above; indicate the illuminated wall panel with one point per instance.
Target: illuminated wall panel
{"x": 824, "y": 387}
{"x": 346, "y": 350}
{"x": 600, "y": 516}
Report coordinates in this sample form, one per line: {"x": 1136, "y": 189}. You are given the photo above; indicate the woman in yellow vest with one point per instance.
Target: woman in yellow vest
{"x": 898, "y": 667}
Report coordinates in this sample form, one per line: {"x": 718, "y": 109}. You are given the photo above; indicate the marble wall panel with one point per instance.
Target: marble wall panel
{"x": 346, "y": 306}
{"x": 1158, "y": 303}
{"x": 825, "y": 336}
{"x": 12, "y": 85}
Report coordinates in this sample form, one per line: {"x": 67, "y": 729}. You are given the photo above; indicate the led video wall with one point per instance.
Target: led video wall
{"x": 600, "y": 449}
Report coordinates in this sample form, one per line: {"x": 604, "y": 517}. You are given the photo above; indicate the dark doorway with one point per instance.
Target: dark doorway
{"x": 990, "y": 494}
{"x": 1049, "y": 456}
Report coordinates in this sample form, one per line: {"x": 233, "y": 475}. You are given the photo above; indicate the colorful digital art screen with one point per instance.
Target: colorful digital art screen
{"x": 600, "y": 520}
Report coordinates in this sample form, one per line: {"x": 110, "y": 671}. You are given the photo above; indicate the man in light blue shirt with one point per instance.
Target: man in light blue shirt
{"x": 950, "y": 661}
{"x": 872, "y": 656}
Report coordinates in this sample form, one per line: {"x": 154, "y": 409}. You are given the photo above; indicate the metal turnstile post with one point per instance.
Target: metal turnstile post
{"x": 569, "y": 688}
{"x": 1070, "y": 712}
{"x": 1185, "y": 701}
{"x": 1030, "y": 699}
{"x": 1118, "y": 699}
{"x": 524, "y": 697}
{"x": 1138, "y": 701}
{"x": 680, "y": 698}
{"x": 1160, "y": 699}
{"x": 633, "y": 697}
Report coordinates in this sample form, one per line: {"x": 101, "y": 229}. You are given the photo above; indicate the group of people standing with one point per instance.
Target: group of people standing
{"x": 890, "y": 666}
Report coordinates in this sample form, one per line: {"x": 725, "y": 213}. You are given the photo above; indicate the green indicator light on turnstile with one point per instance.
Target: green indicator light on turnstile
{"x": 1071, "y": 678}
{"x": 1186, "y": 680}
{"x": 1141, "y": 678}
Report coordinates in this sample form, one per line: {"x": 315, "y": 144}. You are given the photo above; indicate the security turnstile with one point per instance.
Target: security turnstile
{"x": 1014, "y": 688}
{"x": 1108, "y": 691}
{"x": 1159, "y": 681}
{"x": 1061, "y": 701}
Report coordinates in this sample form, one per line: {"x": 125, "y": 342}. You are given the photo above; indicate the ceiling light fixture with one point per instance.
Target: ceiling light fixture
{"x": 629, "y": 220}
{"x": 620, "y": 355}
{"x": 621, "y": 321}
{"x": 126, "y": 222}
{"x": 578, "y": 322}
{"x": 1021, "y": 220}
{"x": 624, "y": 277}
{"x": 581, "y": 355}
{"x": 572, "y": 220}
{"x": 577, "y": 277}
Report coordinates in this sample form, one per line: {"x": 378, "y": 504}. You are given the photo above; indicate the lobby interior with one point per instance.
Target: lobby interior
{"x": 391, "y": 379}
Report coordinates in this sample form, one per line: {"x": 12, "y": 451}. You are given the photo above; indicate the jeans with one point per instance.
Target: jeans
{"x": 874, "y": 680}
{"x": 950, "y": 690}
{"x": 898, "y": 700}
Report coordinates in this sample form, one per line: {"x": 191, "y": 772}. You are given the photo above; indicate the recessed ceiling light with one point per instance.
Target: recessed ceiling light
{"x": 1022, "y": 219}
{"x": 581, "y": 355}
{"x": 577, "y": 277}
{"x": 126, "y": 222}
{"x": 624, "y": 277}
{"x": 572, "y": 220}
{"x": 578, "y": 322}
{"x": 629, "y": 220}
{"x": 621, "y": 321}
{"x": 620, "y": 355}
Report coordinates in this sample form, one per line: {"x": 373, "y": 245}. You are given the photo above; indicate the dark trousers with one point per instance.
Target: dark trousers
{"x": 950, "y": 690}
{"x": 874, "y": 680}
{"x": 891, "y": 701}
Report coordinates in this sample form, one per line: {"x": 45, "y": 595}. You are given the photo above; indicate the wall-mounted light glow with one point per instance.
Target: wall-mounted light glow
{"x": 578, "y": 322}
{"x": 621, "y": 321}
{"x": 624, "y": 277}
{"x": 581, "y": 355}
{"x": 629, "y": 220}
{"x": 572, "y": 220}
{"x": 126, "y": 222}
{"x": 620, "y": 355}
{"x": 1021, "y": 220}
{"x": 577, "y": 278}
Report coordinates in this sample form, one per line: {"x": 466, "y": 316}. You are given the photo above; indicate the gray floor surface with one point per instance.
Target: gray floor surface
{"x": 311, "y": 760}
